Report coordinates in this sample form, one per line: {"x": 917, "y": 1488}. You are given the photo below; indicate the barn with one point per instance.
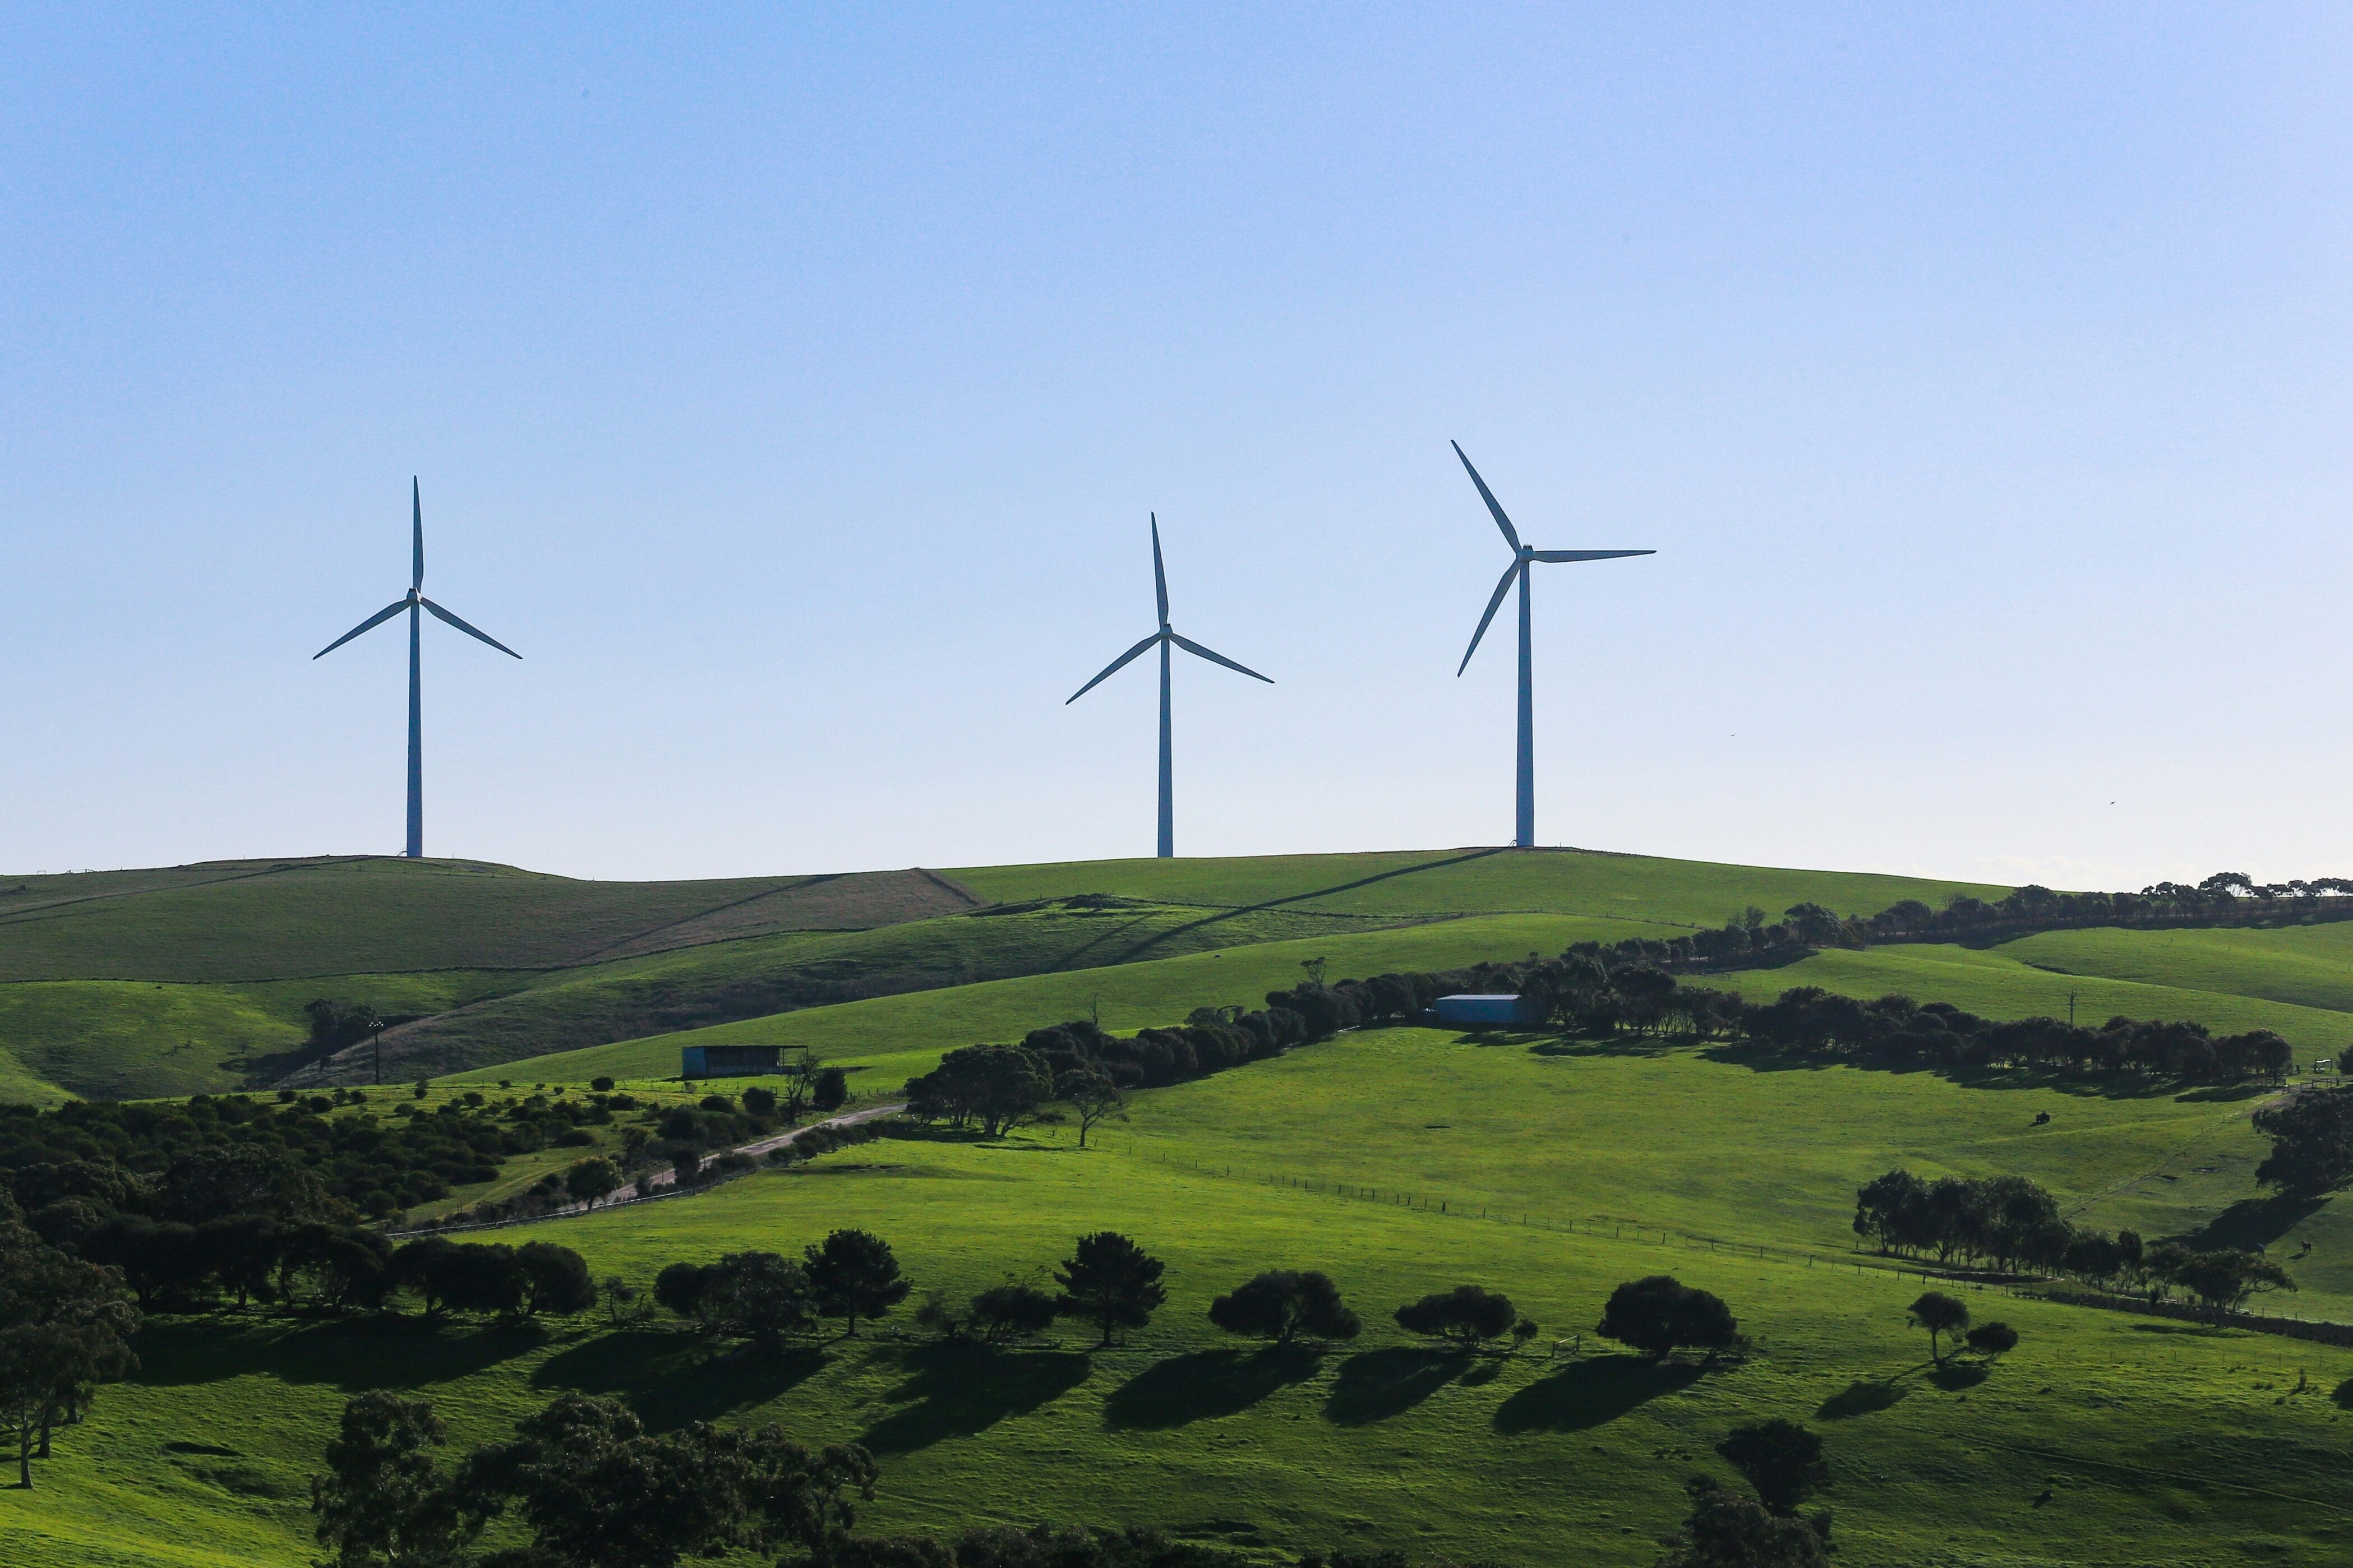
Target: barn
{"x": 1497, "y": 1011}
{"x": 727, "y": 1061}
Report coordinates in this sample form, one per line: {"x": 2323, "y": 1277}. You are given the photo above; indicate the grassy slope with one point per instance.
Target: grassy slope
{"x": 895, "y": 1036}
{"x": 763, "y": 976}
{"x": 2142, "y": 1429}
{"x": 1472, "y": 881}
{"x": 286, "y": 920}
{"x": 2311, "y": 966}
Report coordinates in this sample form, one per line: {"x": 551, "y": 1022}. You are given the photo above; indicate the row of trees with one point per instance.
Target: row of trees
{"x": 2011, "y": 1224}
{"x": 66, "y": 1326}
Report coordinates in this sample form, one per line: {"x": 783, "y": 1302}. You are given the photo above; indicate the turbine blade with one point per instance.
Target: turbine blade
{"x": 369, "y": 625}
{"x": 469, "y": 631}
{"x": 1586, "y": 554}
{"x": 416, "y": 516}
{"x": 1111, "y": 669}
{"x": 1189, "y": 646}
{"x": 1501, "y": 589}
{"x": 1159, "y": 574}
{"x": 1510, "y": 534}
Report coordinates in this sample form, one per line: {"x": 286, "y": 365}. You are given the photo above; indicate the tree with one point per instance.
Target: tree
{"x": 1659, "y": 1315}
{"x": 1939, "y": 1314}
{"x": 556, "y": 1279}
{"x": 1782, "y": 1460}
{"x": 2224, "y": 1278}
{"x": 1725, "y": 1529}
{"x": 831, "y": 1090}
{"x": 1283, "y": 1304}
{"x": 1000, "y": 1087}
{"x": 756, "y": 1296}
{"x": 759, "y": 1101}
{"x": 601, "y": 1085}
{"x": 383, "y": 1498}
{"x": 1112, "y": 1282}
{"x": 686, "y": 1159}
{"x": 1993, "y": 1340}
{"x": 681, "y": 1286}
{"x": 596, "y": 1490}
{"x": 591, "y": 1181}
{"x": 2312, "y": 1143}
{"x": 1011, "y": 1310}
{"x": 852, "y": 1274}
{"x": 1469, "y": 1315}
{"x": 1090, "y": 1092}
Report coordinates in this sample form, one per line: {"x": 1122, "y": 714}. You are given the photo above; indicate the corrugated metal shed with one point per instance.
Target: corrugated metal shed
{"x": 1487, "y": 1011}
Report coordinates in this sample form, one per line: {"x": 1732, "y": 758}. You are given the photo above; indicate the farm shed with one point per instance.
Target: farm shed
{"x": 726, "y": 1061}
{"x": 1486, "y": 1012}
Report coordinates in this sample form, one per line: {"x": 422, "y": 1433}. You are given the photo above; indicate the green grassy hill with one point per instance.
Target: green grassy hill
{"x": 1398, "y": 1160}
{"x": 169, "y": 982}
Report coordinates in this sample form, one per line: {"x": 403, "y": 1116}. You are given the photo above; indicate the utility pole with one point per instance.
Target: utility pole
{"x": 376, "y": 1038}
{"x": 2071, "y": 1009}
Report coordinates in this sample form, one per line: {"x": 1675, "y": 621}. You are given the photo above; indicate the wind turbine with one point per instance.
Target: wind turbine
{"x": 414, "y": 602}
{"x": 1525, "y": 834}
{"x": 1164, "y": 637}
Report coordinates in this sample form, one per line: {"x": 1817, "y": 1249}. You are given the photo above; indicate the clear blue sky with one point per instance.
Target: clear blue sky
{"x": 790, "y": 387}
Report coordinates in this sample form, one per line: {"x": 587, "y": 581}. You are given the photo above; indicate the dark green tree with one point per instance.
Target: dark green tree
{"x": 1011, "y": 1312}
{"x": 592, "y": 1180}
{"x": 556, "y": 1280}
{"x": 2312, "y": 1143}
{"x": 1939, "y": 1314}
{"x": 756, "y": 1296}
{"x": 385, "y": 1499}
{"x": 1782, "y": 1460}
{"x": 1659, "y": 1314}
{"x": 852, "y": 1274}
{"x": 1992, "y": 1341}
{"x": 1469, "y": 1316}
{"x": 831, "y": 1090}
{"x": 1111, "y": 1282}
{"x": 1092, "y": 1092}
{"x": 1283, "y": 1304}
{"x": 1725, "y": 1529}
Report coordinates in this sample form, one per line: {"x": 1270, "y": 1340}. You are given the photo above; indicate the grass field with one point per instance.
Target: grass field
{"x": 2157, "y": 1442}
{"x": 1399, "y": 1160}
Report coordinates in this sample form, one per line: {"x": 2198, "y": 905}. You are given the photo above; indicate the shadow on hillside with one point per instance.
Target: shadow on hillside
{"x": 1955, "y": 1375}
{"x": 353, "y": 1355}
{"x": 673, "y": 1380}
{"x": 1204, "y": 1385}
{"x": 1610, "y": 1046}
{"x": 2252, "y": 1224}
{"x": 1757, "y": 1057}
{"x": 1144, "y": 949}
{"x": 1860, "y": 1398}
{"x": 1374, "y": 1385}
{"x": 1591, "y": 1394}
{"x": 2225, "y": 1093}
{"x": 954, "y": 1390}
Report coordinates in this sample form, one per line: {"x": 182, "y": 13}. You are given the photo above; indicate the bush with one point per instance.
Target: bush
{"x": 1659, "y": 1315}
{"x": 1782, "y": 1460}
{"x": 601, "y": 1085}
{"x": 1993, "y": 1340}
{"x": 1283, "y": 1304}
{"x": 1468, "y": 1316}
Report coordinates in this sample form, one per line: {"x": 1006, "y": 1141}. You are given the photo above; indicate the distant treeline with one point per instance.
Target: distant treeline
{"x": 2010, "y": 1224}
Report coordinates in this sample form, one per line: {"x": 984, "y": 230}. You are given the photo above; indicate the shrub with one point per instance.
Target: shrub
{"x": 1659, "y": 1315}
{"x": 1993, "y": 1340}
{"x": 1782, "y": 1460}
{"x": 601, "y": 1085}
{"x": 1283, "y": 1304}
{"x": 1468, "y": 1316}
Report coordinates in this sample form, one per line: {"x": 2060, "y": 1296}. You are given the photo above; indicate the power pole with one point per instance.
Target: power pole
{"x": 376, "y": 1038}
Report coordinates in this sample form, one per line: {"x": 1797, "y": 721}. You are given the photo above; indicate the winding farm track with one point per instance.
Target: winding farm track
{"x": 666, "y": 1179}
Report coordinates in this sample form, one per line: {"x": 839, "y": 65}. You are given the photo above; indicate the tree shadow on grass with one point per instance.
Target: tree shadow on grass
{"x": 1591, "y": 1394}
{"x": 1374, "y": 1385}
{"x": 355, "y": 1354}
{"x": 1204, "y": 1385}
{"x": 953, "y": 1390}
{"x": 1608, "y": 1045}
{"x": 2253, "y": 1223}
{"x": 673, "y": 1380}
{"x": 2341, "y": 1396}
{"x": 1956, "y": 1375}
{"x": 1860, "y": 1398}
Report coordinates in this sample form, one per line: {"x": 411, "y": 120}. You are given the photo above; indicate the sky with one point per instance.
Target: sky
{"x": 790, "y": 386}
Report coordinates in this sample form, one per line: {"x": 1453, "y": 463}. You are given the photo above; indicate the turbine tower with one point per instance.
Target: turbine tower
{"x": 414, "y": 602}
{"x": 1165, "y": 637}
{"x": 1524, "y": 828}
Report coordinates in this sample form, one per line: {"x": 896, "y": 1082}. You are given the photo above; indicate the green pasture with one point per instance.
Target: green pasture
{"x": 2154, "y": 1442}
{"x": 1992, "y": 983}
{"x": 891, "y": 1038}
{"x": 2308, "y": 966}
{"x": 1591, "y": 883}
